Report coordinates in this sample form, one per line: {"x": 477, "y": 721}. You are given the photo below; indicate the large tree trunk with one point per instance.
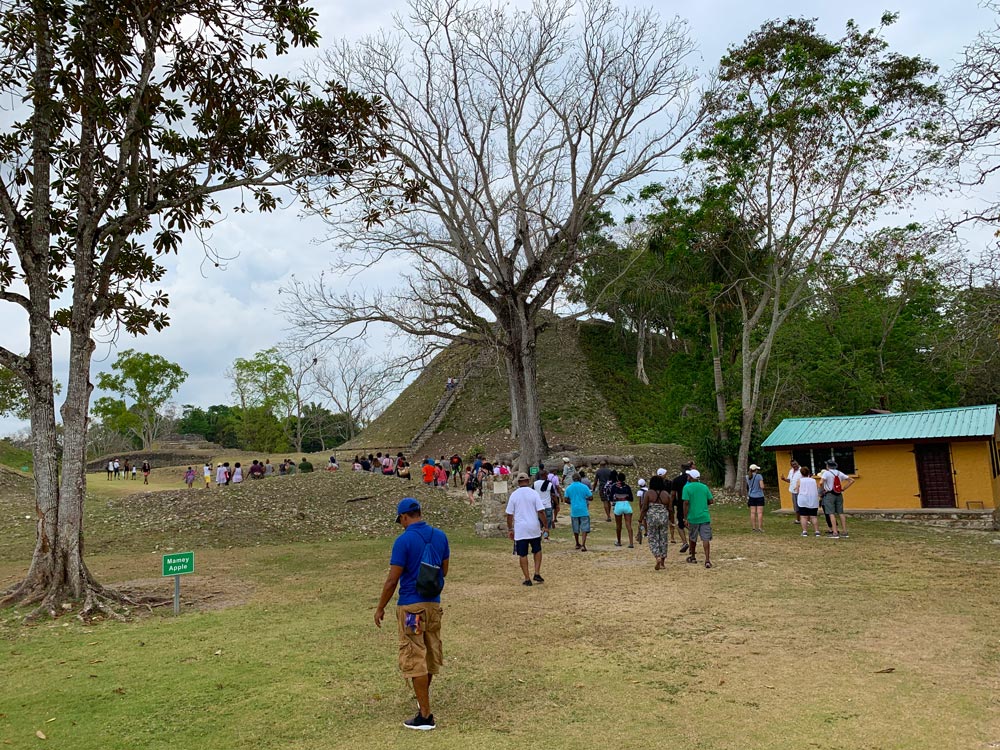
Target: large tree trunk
{"x": 522, "y": 369}
{"x": 720, "y": 400}
{"x": 640, "y": 352}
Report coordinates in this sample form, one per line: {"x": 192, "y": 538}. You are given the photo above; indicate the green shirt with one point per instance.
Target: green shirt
{"x": 697, "y": 495}
{"x": 305, "y": 467}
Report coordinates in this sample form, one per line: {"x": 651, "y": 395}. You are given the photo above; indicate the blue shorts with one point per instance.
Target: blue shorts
{"x": 548, "y": 516}
{"x": 581, "y": 524}
{"x": 623, "y": 508}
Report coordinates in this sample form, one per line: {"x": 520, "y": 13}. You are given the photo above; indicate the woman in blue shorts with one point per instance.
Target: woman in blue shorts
{"x": 621, "y": 499}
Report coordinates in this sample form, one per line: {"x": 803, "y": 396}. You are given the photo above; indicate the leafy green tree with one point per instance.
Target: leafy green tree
{"x": 264, "y": 389}
{"x": 133, "y": 121}
{"x": 808, "y": 139}
{"x": 143, "y": 383}
{"x": 868, "y": 338}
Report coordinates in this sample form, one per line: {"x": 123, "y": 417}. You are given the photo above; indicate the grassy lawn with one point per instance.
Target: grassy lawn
{"x": 784, "y": 644}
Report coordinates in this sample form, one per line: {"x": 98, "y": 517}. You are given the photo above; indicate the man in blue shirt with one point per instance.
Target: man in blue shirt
{"x": 418, "y": 617}
{"x": 579, "y": 496}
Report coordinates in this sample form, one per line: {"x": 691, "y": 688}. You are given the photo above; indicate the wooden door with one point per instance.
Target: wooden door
{"x": 937, "y": 488}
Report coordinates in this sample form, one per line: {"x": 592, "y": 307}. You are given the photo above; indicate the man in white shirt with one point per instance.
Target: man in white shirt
{"x": 546, "y": 491}
{"x": 793, "y": 478}
{"x": 525, "y": 520}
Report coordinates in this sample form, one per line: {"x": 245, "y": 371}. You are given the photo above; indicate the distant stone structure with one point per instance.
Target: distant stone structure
{"x": 175, "y": 442}
{"x": 493, "y": 505}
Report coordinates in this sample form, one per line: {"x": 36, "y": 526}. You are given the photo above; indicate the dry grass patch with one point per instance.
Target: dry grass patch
{"x": 786, "y": 643}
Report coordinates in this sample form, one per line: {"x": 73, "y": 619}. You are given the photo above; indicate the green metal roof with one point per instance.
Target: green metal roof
{"x": 963, "y": 422}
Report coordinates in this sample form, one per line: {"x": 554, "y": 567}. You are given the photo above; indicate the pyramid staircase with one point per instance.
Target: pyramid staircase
{"x": 444, "y": 405}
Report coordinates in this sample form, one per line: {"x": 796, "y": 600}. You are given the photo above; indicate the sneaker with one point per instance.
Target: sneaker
{"x": 818, "y": 535}
{"x": 526, "y": 582}
{"x": 806, "y": 533}
{"x": 538, "y": 579}
{"x": 420, "y": 722}
{"x": 845, "y": 535}
{"x": 835, "y": 536}
{"x": 684, "y": 548}
{"x": 578, "y": 546}
{"x": 631, "y": 546}
{"x": 618, "y": 544}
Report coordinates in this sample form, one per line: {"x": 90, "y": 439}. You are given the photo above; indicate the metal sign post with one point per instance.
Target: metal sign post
{"x": 176, "y": 565}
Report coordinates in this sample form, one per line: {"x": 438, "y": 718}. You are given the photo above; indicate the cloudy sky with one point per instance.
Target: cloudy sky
{"x": 220, "y": 314}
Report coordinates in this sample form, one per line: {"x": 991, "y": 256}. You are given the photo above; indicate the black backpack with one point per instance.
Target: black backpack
{"x": 430, "y": 576}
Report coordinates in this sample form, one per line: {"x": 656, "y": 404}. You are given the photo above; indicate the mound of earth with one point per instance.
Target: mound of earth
{"x": 317, "y": 506}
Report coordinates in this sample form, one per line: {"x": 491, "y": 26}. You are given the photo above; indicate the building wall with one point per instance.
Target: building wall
{"x": 886, "y": 476}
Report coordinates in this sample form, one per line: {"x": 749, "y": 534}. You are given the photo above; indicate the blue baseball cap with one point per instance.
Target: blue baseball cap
{"x": 406, "y": 505}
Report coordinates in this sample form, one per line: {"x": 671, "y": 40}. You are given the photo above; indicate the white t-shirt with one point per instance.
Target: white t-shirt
{"x": 794, "y": 475}
{"x": 524, "y": 505}
{"x": 827, "y": 478}
{"x": 808, "y": 492}
{"x": 545, "y": 494}
{"x": 207, "y": 471}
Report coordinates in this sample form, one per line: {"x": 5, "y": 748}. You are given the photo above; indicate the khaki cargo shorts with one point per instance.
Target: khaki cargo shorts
{"x": 420, "y": 653}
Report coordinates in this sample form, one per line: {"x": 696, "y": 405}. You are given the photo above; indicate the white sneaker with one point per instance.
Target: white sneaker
{"x": 835, "y": 536}
{"x": 805, "y": 533}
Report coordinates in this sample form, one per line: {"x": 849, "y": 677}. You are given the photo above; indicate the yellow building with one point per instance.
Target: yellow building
{"x": 943, "y": 458}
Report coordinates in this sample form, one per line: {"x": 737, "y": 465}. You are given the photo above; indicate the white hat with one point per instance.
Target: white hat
{"x": 642, "y": 482}
{"x": 565, "y": 460}
{"x": 754, "y": 467}
{"x": 693, "y": 473}
{"x": 661, "y": 472}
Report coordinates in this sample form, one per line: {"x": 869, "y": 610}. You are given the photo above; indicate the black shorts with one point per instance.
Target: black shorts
{"x": 808, "y": 511}
{"x": 755, "y": 502}
{"x": 521, "y": 546}
{"x": 679, "y": 513}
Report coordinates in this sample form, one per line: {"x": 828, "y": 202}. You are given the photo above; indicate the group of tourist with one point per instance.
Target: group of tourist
{"x": 226, "y": 473}
{"x": 670, "y": 509}
{"x": 118, "y": 469}
{"x": 810, "y": 493}
{"x": 667, "y": 508}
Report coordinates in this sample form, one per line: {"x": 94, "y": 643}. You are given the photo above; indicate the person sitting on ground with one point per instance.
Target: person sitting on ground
{"x": 305, "y": 466}
{"x": 289, "y": 466}
{"x": 365, "y": 464}
{"x": 403, "y": 469}
{"x": 268, "y": 468}
{"x": 332, "y": 464}
{"x": 356, "y": 465}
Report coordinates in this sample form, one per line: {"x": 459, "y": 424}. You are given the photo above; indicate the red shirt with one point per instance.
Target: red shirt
{"x": 428, "y": 473}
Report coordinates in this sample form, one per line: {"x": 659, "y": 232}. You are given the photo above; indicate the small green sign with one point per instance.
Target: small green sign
{"x": 533, "y": 470}
{"x": 178, "y": 563}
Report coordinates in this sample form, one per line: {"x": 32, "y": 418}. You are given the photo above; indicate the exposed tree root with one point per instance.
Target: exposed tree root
{"x": 53, "y": 601}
